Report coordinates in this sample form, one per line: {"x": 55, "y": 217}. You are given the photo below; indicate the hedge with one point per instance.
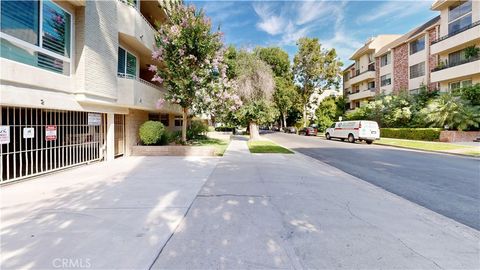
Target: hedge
{"x": 151, "y": 132}
{"x": 423, "y": 134}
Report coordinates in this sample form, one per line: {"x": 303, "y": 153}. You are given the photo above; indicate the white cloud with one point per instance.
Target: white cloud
{"x": 394, "y": 10}
{"x": 269, "y": 22}
{"x": 309, "y": 11}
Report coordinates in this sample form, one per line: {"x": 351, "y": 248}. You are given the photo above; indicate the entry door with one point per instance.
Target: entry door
{"x": 119, "y": 135}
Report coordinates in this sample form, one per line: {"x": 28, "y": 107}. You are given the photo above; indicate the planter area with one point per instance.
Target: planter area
{"x": 459, "y": 136}
{"x": 172, "y": 150}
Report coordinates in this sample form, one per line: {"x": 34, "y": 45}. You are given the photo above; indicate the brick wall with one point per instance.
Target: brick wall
{"x": 432, "y": 59}
{"x": 400, "y": 68}
{"x": 377, "y": 75}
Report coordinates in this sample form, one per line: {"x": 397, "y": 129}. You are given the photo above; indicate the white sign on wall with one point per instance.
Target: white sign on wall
{"x": 4, "y": 134}
{"x": 94, "y": 119}
{"x": 28, "y": 133}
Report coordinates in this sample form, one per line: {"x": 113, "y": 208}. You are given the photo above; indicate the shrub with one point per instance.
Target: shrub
{"x": 423, "y": 134}
{"x": 151, "y": 132}
{"x": 197, "y": 128}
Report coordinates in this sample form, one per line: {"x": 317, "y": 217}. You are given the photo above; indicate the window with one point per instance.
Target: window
{"x": 459, "y": 16}
{"x": 178, "y": 121}
{"x": 357, "y": 104}
{"x": 385, "y": 59}
{"x": 370, "y": 58}
{"x": 456, "y": 58}
{"x": 127, "y": 63}
{"x": 371, "y": 85}
{"x": 386, "y": 80}
{"x": 417, "y": 70}
{"x": 417, "y": 45}
{"x": 36, "y": 33}
{"x": 153, "y": 117}
{"x": 459, "y": 84}
{"x": 164, "y": 119}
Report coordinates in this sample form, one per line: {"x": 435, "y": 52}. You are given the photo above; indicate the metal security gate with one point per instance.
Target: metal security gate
{"x": 119, "y": 134}
{"x": 41, "y": 140}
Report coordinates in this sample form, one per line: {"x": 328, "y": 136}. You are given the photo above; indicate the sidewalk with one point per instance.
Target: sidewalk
{"x": 289, "y": 211}
{"x": 114, "y": 215}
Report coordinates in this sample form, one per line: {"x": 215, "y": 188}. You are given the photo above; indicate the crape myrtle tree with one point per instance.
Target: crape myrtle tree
{"x": 315, "y": 69}
{"x": 190, "y": 57}
{"x": 285, "y": 95}
{"x": 255, "y": 86}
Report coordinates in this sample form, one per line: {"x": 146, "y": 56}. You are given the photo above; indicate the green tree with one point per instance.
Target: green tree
{"x": 470, "y": 93}
{"x": 315, "y": 69}
{"x": 285, "y": 95}
{"x": 452, "y": 111}
{"x": 255, "y": 86}
{"x": 191, "y": 56}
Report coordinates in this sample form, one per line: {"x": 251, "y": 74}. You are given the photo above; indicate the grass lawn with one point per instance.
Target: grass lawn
{"x": 431, "y": 146}
{"x": 219, "y": 145}
{"x": 267, "y": 147}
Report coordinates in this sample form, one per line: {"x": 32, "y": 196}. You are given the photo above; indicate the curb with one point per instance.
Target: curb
{"x": 428, "y": 151}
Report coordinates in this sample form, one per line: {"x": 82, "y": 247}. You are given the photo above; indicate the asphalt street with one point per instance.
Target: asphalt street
{"x": 446, "y": 184}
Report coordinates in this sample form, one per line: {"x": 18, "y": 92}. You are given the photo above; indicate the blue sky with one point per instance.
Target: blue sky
{"x": 343, "y": 25}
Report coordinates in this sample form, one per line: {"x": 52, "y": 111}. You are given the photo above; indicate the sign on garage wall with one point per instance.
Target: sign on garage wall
{"x": 4, "y": 134}
{"x": 94, "y": 119}
{"x": 50, "y": 133}
{"x": 28, "y": 133}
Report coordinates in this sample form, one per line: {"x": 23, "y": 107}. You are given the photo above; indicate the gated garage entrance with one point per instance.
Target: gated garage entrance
{"x": 35, "y": 141}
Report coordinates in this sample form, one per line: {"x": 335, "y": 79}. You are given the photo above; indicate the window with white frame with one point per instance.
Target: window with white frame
{"x": 459, "y": 84}
{"x": 459, "y": 16}
{"x": 386, "y": 80}
{"x": 417, "y": 70}
{"x": 127, "y": 63}
{"x": 457, "y": 58}
{"x": 36, "y": 33}
{"x": 417, "y": 45}
{"x": 385, "y": 59}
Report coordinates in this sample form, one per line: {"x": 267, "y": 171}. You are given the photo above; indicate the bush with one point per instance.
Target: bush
{"x": 423, "y": 134}
{"x": 151, "y": 132}
{"x": 197, "y": 129}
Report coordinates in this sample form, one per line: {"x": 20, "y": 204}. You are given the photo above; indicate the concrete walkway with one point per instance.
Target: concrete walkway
{"x": 275, "y": 211}
{"x": 114, "y": 215}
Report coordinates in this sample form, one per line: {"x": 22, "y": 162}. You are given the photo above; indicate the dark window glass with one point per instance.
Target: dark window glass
{"x": 417, "y": 45}
{"x": 456, "y": 58}
{"x": 459, "y": 24}
{"x": 56, "y": 29}
{"x": 164, "y": 119}
{"x": 121, "y": 61}
{"x": 20, "y": 19}
{"x": 458, "y": 11}
{"x": 417, "y": 70}
{"x": 131, "y": 65}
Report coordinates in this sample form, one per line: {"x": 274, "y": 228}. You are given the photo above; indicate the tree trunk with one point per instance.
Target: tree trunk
{"x": 184, "y": 125}
{"x": 305, "y": 115}
{"x": 254, "y": 135}
{"x": 281, "y": 121}
{"x": 285, "y": 120}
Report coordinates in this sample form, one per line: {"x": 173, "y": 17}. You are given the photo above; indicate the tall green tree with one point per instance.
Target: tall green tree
{"x": 315, "y": 69}
{"x": 255, "y": 86}
{"x": 285, "y": 95}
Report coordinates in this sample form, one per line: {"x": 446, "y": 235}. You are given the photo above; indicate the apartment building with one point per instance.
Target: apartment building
{"x": 74, "y": 84}
{"x": 405, "y": 63}
{"x": 359, "y": 79}
{"x": 456, "y": 48}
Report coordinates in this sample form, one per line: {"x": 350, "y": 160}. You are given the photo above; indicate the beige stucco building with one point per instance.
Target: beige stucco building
{"x": 359, "y": 78}
{"x": 74, "y": 84}
{"x": 459, "y": 33}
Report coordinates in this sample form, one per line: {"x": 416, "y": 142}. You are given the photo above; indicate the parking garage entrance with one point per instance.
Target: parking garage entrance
{"x": 35, "y": 141}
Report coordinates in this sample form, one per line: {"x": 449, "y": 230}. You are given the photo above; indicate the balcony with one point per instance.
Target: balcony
{"x": 135, "y": 28}
{"x": 363, "y": 76}
{"x": 456, "y": 70}
{"x": 362, "y": 95}
{"x": 456, "y": 39}
{"x": 138, "y": 93}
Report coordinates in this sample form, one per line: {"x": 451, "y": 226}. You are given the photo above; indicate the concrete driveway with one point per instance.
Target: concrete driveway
{"x": 113, "y": 215}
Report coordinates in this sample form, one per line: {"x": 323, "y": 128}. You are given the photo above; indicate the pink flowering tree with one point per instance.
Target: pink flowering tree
{"x": 190, "y": 63}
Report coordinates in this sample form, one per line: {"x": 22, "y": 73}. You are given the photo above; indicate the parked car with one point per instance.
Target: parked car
{"x": 367, "y": 131}
{"x": 290, "y": 130}
{"x": 308, "y": 131}
{"x": 275, "y": 128}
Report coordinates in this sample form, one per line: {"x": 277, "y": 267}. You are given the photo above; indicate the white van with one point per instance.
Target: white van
{"x": 367, "y": 131}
